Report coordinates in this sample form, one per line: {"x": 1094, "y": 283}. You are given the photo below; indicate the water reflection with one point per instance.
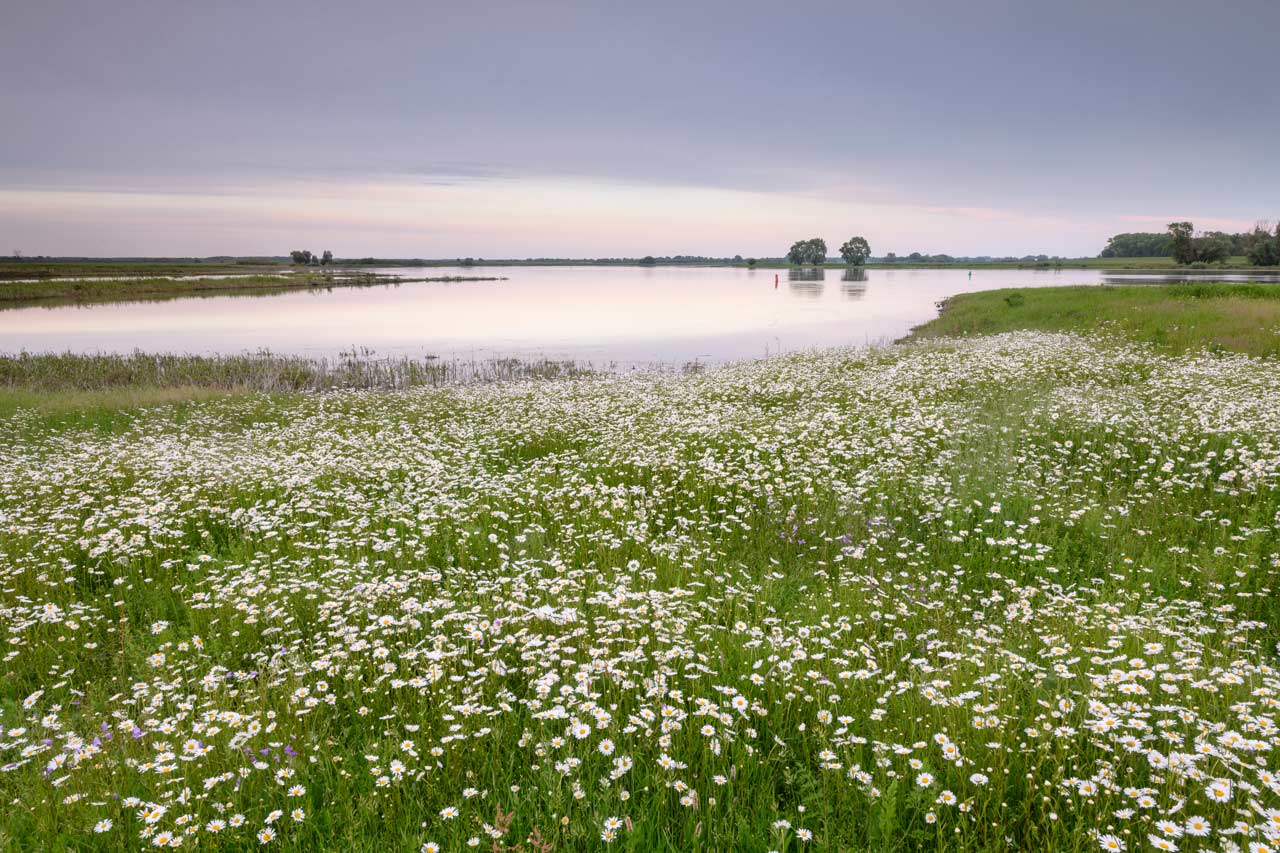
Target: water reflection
{"x": 620, "y": 315}
{"x": 806, "y": 281}
{"x": 853, "y": 284}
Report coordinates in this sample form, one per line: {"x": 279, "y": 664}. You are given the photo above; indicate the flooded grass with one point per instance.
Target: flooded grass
{"x": 262, "y": 372}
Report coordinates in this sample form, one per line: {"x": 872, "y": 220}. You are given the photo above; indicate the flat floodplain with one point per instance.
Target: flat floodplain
{"x": 1006, "y": 592}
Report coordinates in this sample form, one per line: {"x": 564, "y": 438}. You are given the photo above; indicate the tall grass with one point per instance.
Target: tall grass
{"x": 263, "y": 371}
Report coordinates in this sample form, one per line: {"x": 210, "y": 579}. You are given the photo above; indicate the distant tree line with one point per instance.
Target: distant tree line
{"x": 647, "y": 260}
{"x": 921, "y": 258}
{"x": 1181, "y": 242}
{"x": 304, "y": 256}
{"x": 854, "y": 251}
{"x": 670, "y": 260}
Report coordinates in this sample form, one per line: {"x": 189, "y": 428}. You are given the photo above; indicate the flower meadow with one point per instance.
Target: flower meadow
{"x": 1004, "y": 593}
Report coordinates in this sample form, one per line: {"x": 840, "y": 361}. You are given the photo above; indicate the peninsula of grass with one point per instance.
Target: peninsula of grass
{"x": 1176, "y": 317}
{"x": 18, "y": 294}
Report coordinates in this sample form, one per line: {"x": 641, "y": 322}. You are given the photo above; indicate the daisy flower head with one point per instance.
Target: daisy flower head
{"x": 1197, "y": 826}
{"x": 1219, "y": 790}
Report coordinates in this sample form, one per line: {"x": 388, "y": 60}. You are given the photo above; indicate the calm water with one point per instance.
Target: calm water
{"x": 602, "y": 315}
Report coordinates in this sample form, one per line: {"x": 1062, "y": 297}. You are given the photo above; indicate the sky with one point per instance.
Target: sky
{"x": 538, "y": 128}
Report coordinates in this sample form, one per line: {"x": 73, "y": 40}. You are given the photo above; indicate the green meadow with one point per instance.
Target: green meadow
{"x": 1175, "y": 317}
{"x": 1009, "y": 585}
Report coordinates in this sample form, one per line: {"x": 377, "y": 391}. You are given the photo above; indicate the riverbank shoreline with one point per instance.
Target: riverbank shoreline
{"x": 19, "y": 269}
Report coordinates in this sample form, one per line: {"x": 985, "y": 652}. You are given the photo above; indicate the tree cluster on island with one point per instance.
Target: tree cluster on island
{"x": 306, "y": 258}
{"x": 855, "y": 251}
{"x": 1181, "y": 242}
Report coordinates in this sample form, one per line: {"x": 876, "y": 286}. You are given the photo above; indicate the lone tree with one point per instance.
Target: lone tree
{"x": 855, "y": 251}
{"x": 1207, "y": 248}
{"x": 1213, "y": 247}
{"x": 811, "y": 251}
{"x": 1265, "y": 249}
{"x": 1180, "y": 236}
{"x": 326, "y": 258}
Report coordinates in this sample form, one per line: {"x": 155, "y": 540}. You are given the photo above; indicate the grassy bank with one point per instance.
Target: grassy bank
{"x": 1179, "y": 317}
{"x": 16, "y": 294}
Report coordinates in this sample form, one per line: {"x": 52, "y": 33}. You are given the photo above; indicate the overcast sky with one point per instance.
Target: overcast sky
{"x": 535, "y": 128}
